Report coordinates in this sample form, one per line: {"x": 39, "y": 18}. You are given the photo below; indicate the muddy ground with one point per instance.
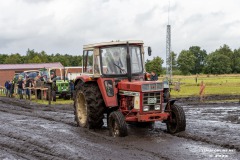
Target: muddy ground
{"x": 32, "y": 131}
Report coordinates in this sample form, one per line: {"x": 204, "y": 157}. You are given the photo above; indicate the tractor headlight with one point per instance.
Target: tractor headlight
{"x": 145, "y": 108}
{"x": 157, "y": 107}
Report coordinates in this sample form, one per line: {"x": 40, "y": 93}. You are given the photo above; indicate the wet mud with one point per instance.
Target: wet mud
{"x": 32, "y": 131}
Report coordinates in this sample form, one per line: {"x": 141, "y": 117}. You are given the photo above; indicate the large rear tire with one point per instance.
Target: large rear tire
{"x": 177, "y": 120}
{"x": 117, "y": 124}
{"x": 88, "y": 106}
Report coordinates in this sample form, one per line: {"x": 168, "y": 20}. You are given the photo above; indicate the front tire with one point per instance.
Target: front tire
{"x": 88, "y": 106}
{"x": 117, "y": 124}
{"x": 177, "y": 120}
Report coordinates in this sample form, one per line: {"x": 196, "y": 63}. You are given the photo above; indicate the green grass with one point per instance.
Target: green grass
{"x": 58, "y": 101}
{"x": 215, "y": 85}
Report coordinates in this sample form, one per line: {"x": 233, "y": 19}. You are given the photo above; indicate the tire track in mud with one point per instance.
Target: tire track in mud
{"x": 36, "y": 149}
{"x": 29, "y": 111}
{"x": 206, "y": 132}
{"x": 207, "y": 140}
{"x": 38, "y": 112}
{"x": 52, "y": 114}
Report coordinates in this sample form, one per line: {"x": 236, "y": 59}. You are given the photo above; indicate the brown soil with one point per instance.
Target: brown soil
{"x": 32, "y": 131}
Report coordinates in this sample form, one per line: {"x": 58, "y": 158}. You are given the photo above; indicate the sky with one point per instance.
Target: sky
{"x": 64, "y": 26}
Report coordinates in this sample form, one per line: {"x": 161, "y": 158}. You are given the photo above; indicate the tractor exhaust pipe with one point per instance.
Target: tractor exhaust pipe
{"x": 129, "y": 68}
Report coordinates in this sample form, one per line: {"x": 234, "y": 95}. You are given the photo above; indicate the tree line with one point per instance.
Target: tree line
{"x": 192, "y": 61}
{"x": 41, "y": 57}
{"x": 196, "y": 61}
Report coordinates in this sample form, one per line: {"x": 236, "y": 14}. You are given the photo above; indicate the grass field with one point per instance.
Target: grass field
{"x": 215, "y": 85}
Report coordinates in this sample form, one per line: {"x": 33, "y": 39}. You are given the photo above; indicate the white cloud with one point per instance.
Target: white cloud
{"x": 64, "y": 26}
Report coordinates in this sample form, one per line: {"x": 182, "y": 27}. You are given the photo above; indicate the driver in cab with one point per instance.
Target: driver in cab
{"x": 116, "y": 65}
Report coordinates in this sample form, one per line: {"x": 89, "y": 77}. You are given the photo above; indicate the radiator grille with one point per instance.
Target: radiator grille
{"x": 156, "y": 95}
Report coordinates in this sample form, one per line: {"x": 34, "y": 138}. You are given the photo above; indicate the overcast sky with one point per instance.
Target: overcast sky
{"x": 64, "y": 26}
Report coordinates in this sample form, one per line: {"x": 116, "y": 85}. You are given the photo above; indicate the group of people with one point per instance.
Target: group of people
{"x": 20, "y": 84}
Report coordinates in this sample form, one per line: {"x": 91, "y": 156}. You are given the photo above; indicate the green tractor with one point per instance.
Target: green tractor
{"x": 59, "y": 84}
{"x": 63, "y": 89}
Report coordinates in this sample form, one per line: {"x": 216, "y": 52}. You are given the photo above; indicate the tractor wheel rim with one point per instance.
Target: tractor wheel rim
{"x": 81, "y": 109}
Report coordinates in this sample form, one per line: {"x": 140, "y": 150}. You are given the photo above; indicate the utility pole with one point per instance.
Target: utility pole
{"x": 168, "y": 51}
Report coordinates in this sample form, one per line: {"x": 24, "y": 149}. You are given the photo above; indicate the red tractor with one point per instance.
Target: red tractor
{"x": 113, "y": 83}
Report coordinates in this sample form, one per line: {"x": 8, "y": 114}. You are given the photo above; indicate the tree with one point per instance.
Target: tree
{"x": 186, "y": 62}
{"x": 60, "y": 58}
{"x": 200, "y": 59}
{"x": 2, "y": 58}
{"x": 35, "y": 59}
{"x": 236, "y": 61}
{"x": 14, "y": 59}
{"x": 154, "y": 65}
{"x": 225, "y": 50}
{"x": 217, "y": 63}
{"x": 174, "y": 61}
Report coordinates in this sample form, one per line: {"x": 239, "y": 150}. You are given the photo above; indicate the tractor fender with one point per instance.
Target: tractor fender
{"x": 170, "y": 103}
{"x": 84, "y": 79}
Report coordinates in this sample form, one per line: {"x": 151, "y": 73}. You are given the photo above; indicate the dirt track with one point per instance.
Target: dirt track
{"x": 31, "y": 131}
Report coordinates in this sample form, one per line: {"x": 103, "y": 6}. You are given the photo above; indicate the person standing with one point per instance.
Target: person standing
{"x": 20, "y": 87}
{"x": 201, "y": 92}
{"x": 11, "y": 88}
{"x": 28, "y": 84}
{"x": 7, "y": 88}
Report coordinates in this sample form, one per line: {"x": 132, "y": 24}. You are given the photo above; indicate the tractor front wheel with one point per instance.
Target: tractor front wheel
{"x": 177, "y": 120}
{"x": 117, "y": 124}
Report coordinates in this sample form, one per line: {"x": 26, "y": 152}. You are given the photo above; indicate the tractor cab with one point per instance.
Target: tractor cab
{"x": 113, "y": 59}
{"x": 113, "y": 82}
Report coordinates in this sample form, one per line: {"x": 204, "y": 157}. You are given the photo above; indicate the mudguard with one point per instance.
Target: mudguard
{"x": 169, "y": 103}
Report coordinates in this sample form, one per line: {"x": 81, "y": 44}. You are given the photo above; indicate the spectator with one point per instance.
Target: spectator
{"x": 201, "y": 92}
{"x": 7, "y": 88}
{"x": 71, "y": 84}
{"x": 154, "y": 76}
{"x": 11, "y": 88}
{"x": 20, "y": 87}
{"x": 28, "y": 84}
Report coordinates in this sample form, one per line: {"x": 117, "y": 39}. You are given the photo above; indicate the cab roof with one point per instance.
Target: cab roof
{"x": 97, "y": 45}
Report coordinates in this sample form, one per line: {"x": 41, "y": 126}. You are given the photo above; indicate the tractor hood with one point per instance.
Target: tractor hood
{"x": 140, "y": 86}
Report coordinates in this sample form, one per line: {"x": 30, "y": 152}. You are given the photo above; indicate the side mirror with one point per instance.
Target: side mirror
{"x": 149, "y": 51}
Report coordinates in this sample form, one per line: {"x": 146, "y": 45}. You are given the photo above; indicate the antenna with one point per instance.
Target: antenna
{"x": 168, "y": 10}
{"x": 168, "y": 50}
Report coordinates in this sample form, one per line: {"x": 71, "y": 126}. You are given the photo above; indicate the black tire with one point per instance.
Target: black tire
{"x": 177, "y": 120}
{"x": 88, "y": 106}
{"x": 117, "y": 125}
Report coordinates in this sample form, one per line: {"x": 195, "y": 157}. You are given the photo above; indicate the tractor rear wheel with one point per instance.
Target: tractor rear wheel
{"x": 177, "y": 120}
{"x": 117, "y": 124}
{"x": 88, "y": 106}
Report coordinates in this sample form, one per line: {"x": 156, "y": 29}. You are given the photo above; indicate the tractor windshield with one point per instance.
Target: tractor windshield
{"x": 114, "y": 59}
